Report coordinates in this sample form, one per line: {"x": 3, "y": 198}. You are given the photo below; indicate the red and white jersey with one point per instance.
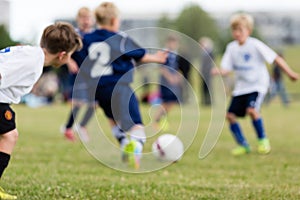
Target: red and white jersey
{"x": 20, "y": 68}
{"x": 248, "y": 61}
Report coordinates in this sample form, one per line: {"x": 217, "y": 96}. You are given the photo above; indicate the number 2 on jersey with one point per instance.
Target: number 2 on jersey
{"x": 100, "y": 52}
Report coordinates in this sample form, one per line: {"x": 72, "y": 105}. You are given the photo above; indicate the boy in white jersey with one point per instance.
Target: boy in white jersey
{"x": 246, "y": 57}
{"x": 20, "y": 68}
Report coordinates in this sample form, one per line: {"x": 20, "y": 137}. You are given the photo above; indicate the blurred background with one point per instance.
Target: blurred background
{"x": 277, "y": 23}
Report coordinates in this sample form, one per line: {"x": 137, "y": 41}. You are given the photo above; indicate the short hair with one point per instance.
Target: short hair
{"x": 59, "y": 37}
{"x": 242, "y": 19}
{"x": 105, "y": 12}
{"x": 83, "y": 11}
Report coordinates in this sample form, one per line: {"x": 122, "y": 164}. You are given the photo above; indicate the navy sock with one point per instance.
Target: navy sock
{"x": 238, "y": 134}
{"x": 72, "y": 116}
{"x": 259, "y": 128}
{"x": 87, "y": 116}
{"x": 4, "y": 160}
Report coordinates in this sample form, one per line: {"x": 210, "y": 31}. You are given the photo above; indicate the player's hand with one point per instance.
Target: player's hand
{"x": 72, "y": 66}
{"x": 161, "y": 56}
{"x": 294, "y": 76}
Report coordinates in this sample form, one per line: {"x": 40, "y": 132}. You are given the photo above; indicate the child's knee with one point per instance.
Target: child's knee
{"x": 11, "y": 137}
{"x": 230, "y": 117}
{"x": 253, "y": 113}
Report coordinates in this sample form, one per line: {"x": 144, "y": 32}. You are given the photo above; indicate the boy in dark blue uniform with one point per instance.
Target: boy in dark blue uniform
{"x": 109, "y": 64}
{"x": 85, "y": 23}
{"x": 170, "y": 84}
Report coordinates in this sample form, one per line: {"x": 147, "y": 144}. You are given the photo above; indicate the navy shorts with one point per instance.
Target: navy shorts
{"x": 120, "y": 104}
{"x": 239, "y": 104}
{"x": 7, "y": 118}
{"x": 167, "y": 95}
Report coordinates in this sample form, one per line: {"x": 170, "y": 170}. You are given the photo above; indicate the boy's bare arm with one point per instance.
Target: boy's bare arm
{"x": 219, "y": 71}
{"x": 158, "y": 57}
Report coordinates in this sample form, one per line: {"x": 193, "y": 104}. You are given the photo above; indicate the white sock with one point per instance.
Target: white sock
{"x": 120, "y": 135}
{"x": 138, "y": 135}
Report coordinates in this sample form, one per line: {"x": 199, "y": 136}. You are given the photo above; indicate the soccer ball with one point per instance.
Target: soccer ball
{"x": 168, "y": 147}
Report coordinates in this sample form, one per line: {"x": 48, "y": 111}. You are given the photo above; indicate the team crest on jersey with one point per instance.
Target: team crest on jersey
{"x": 8, "y": 115}
{"x": 247, "y": 57}
{"x": 7, "y": 49}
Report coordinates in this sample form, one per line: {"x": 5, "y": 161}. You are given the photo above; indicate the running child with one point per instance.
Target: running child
{"x": 246, "y": 57}
{"x": 110, "y": 61}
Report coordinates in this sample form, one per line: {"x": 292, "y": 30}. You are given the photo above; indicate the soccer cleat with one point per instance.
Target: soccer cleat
{"x": 264, "y": 146}
{"x": 69, "y": 135}
{"x": 4, "y": 195}
{"x": 132, "y": 153}
{"x": 240, "y": 150}
{"x": 83, "y": 134}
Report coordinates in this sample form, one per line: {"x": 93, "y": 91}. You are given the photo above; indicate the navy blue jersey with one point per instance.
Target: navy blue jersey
{"x": 170, "y": 92}
{"x": 109, "y": 57}
{"x": 171, "y": 65}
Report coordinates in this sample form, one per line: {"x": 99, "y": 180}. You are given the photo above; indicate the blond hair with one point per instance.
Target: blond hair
{"x": 60, "y": 37}
{"x": 105, "y": 12}
{"x": 83, "y": 11}
{"x": 242, "y": 19}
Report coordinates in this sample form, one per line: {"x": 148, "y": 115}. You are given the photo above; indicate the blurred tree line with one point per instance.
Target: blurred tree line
{"x": 194, "y": 22}
{"x": 5, "y": 39}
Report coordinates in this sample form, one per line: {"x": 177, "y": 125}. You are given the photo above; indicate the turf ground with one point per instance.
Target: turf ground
{"x": 45, "y": 166}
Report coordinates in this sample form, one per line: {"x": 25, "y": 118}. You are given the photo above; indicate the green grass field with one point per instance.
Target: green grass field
{"x": 46, "y": 166}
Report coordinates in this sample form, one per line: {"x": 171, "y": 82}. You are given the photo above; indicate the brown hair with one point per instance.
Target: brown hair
{"x": 59, "y": 37}
{"x": 242, "y": 19}
{"x": 105, "y": 12}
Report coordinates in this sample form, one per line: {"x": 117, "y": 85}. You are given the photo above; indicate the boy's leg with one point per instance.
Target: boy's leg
{"x": 125, "y": 106}
{"x": 264, "y": 146}
{"x": 259, "y": 128}
{"x": 238, "y": 108}
{"x": 238, "y": 134}
{"x": 118, "y": 133}
{"x": 68, "y": 131}
{"x": 134, "y": 148}
{"x": 8, "y": 135}
{"x": 161, "y": 123}
{"x": 81, "y": 129}
{"x": 7, "y": 144}
{"x": 72, "y": 116}
{"x": 88, "y": 114}
{"x": 257, "y": 122}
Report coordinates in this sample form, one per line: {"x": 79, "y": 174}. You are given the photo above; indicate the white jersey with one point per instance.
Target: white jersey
{"x": 20, "y": 68}
{"x": 248, "y": 61}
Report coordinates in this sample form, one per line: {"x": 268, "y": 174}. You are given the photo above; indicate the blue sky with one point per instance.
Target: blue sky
{"x": 29, "y": 17}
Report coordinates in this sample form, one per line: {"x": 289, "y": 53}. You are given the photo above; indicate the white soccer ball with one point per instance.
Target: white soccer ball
{"x": 168, "y": 147}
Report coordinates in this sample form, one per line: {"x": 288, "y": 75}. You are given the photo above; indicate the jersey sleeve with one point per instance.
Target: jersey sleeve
{"x": 131, "y": 49}
{"x": 226, "y": 62}
{"x": 21, "y": 66}
{"x": 9, "y": 67}
{"x": 267, "y": 53}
